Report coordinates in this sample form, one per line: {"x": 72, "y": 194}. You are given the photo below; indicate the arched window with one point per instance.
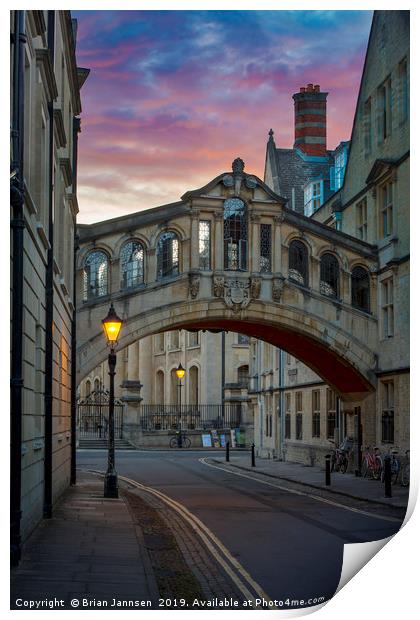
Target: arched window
{"x": 329, "y": 284}
{"x": 160, "y": 388}
{"x": 235, "y": 234}
{"x": 298, "y": 263}
{"x": 96, "y": 386}
{"x": 132, "y": 264}
{"x": 88, "y": 388}
{"x": 95, "y": 275}
{"x": 360, "y": 289}
{"x": 167, "y": 255}
{"x": 175, "y": 390}
{"x": 243, "y": 375}
{"x": 193, "y": 386}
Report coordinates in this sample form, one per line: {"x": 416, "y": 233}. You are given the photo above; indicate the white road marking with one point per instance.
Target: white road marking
{"x": 210, "y": 540}
{"x": 295, "y": 492}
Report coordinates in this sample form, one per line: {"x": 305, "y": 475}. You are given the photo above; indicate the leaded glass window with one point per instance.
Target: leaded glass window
{"x": 204, "y": 244}
{"x": 235, "y": 234}
{"x": 298, "y": 263}
{"x": 360, "y": 289}
{"x": 132, "y": 264}
{"x": 95, "y": 275}
{"x": 329, "y": 275}
{"x": 265, "y": 248}
{"x": 167, "y": 255}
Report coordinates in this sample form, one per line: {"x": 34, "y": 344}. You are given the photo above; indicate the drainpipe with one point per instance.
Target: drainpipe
{"x": 17, "y": 225}
{"x": 49, "y": 300}
{"x": 223, "y": 372}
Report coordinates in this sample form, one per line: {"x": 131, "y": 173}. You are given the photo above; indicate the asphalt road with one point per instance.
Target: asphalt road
{"x": 291, "y": 545}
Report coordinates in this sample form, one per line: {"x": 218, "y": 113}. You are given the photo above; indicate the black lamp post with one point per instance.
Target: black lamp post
{"x": 112, "y": 325}
{"x": 180, "y": 373}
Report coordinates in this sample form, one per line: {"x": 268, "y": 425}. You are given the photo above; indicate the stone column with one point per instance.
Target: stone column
{"x": 218, "y": 241}
{"x": 277, "y": 246}
{"x": 131, "y": 387}
{"x": 194, "y": 245}
{"x": 114, "y": 282}
{"x": 150, "y": 275}
{"x": 254, "y": 242}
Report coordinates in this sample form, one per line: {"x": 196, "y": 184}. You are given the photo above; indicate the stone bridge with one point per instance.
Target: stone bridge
{"x": 232, "y": 256}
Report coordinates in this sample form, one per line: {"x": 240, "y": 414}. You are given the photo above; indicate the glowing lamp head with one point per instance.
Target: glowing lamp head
{"x": 180, "y": 372}
{"x": 112, "y": 326}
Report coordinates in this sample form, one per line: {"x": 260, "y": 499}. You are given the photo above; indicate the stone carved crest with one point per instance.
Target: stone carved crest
{"x": 277, "y": 289}
{"x": 236, "y": 293}
{"x": 194, "y": 285}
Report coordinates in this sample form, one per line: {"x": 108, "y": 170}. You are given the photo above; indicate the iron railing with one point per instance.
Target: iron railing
{"x": 189, "y": 417}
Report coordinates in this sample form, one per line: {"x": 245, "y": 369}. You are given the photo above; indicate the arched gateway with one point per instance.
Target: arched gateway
{"x": 232, "y": 256}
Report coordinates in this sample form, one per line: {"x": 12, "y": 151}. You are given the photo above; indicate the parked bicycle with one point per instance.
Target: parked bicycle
{"x": 340, "y": 456}
{"x": 372, "y": 463}
{"x": 405, "y": 470}
{"x": 180, "y": 440}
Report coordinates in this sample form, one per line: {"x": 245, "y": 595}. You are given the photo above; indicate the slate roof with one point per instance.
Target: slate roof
{"x": 289, "y": 170}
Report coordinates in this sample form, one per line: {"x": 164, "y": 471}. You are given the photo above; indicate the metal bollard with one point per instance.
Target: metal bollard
{"x": 328, "y": 470}
{"x": 253, "y": 455}
{"x": 227, "y": 452}
{"x": 387, "y": 476}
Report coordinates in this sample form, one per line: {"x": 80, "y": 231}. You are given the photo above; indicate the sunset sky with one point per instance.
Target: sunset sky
{"x": 174, "y": 96}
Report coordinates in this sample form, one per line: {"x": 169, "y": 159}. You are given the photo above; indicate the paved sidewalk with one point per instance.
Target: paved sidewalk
{"x": 345, "y": 484}
{"x": 90, "y": 549}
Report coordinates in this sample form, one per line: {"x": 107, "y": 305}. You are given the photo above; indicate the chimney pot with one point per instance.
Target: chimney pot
{"x": 310, "y": 88}
{"x": 316, "y": 88}
{"x": 302, "y": 89}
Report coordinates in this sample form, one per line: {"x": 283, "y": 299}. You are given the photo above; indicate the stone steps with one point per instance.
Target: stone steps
{"x": 102, "y": 444}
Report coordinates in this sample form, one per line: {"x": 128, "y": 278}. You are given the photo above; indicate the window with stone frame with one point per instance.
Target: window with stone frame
{"x": 132, "y": 264}
{"x": 204, "y": 244}
{"x": 404, "y": 93}
{"x": 367, "y": 126}
{"x": 387, "y": 307}
{"x": 95, "y": 275}
{"x": 167, "y": 254}
{"x": 243, "y": 375}
{"x": 329, "y": 283}
{"x": 159, "y": 342}
{"x": 316, "y": 413}
{"x": 243, "y": 339}
{"x": 235, "y": 235}
{"x": 193, "y": 339}
{"x": 265, "y": 248}
{"x": 174, "y": 340}
{"x": 386, "y": 210}
{"x": 299, "y": 416}
{"x": 331, "y": 413}
{"x": 387, "y": 389}
{"x": 360, "y": 289}
{"x": 288, "y": 415}
{"x": 361, "y": 220}
{"x": 298, "y": 262}
{"x": 384, "y": 110}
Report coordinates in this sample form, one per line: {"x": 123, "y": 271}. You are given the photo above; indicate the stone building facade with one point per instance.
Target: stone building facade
{"x": 371, "y": 204}
{"x": 45, "y": 109}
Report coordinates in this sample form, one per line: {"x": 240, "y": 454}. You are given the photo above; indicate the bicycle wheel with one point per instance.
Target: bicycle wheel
{"x": 405, "y": 475}
{"x": 344, "y": 464}
{"x": 365, "y": 468}
{"x": 173, "y": 442}
{"x": 186, "y": 442}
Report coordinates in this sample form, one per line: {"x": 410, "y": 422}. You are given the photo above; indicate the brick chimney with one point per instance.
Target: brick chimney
{"x": 311, "y": 121}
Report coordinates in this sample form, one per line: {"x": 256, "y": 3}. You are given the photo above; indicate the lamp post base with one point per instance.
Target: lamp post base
{"x": 111, "y": 484}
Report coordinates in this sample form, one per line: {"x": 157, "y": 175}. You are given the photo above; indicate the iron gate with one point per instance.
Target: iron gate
{"x": 93, "y": 416}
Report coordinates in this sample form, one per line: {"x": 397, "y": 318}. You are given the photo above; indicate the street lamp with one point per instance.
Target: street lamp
{"x": 180, "y": 373}
{"x": 111, "y": 325}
